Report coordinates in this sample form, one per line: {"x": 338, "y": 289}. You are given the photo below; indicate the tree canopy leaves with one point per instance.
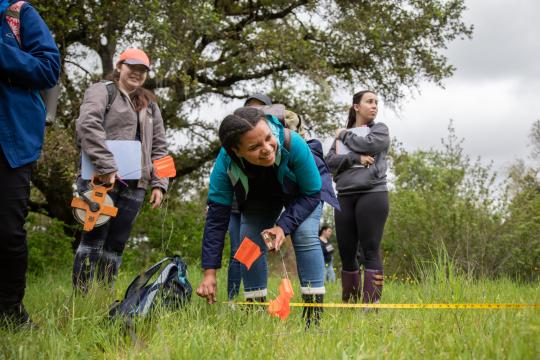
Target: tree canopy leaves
{"x": 301, "y": 52}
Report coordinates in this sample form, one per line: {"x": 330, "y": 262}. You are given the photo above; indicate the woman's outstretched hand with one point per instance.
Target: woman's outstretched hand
{"x": 277, "y": 237}
{"x": 208, "y": 287}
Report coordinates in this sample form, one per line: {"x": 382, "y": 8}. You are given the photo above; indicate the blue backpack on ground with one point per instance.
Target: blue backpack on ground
{"x": 171, "y": 289}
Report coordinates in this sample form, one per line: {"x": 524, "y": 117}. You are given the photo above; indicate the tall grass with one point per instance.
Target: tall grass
{"x": 75, "y": 327}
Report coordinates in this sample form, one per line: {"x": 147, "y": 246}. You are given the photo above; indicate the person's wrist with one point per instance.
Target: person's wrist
{"x": 210, "y": 272}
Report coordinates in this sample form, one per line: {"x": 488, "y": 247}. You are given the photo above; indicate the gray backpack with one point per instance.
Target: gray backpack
{"x": 171, "y": 289}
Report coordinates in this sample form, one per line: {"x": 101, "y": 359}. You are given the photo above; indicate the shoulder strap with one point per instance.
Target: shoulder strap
{"x": 287, "y": 139}
{"x": 111, "y": 95}
{"x": 13, "y": 18}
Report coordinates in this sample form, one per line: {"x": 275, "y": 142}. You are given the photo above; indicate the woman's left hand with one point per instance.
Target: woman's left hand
{"x": 338, "y": 131}
{"x": 156, "y": 197}
{"x": 278, "y": 236}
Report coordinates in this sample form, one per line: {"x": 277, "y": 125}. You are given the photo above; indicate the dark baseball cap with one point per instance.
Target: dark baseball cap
{"x": 261, "y": 97}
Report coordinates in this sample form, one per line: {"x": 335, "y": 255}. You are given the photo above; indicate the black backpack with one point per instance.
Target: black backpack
{"x": 171, "y": 289}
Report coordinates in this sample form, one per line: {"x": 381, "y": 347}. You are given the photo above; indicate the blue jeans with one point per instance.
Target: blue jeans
{"x": 307, "y": 248}
{"x": 329, "y": 273}
{"x": 234, "y": 275}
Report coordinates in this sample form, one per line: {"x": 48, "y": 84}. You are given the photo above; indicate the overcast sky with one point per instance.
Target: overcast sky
{"x": 494, "y": 95}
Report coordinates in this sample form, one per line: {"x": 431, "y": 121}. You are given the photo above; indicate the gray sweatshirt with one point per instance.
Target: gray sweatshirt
{"x": 351, "y": 178}
{"x": 120, "y": 124}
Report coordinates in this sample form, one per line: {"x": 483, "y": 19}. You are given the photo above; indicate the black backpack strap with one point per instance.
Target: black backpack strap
{"x": 112, "y": 90}
{"x": 287, "y": 139}
{"x": 111, "y": 95}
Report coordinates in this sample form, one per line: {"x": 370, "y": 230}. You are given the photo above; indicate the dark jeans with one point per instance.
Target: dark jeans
{"x": 234, "y": 275}
{"x": 360, "y": 223}
{"x": 99, "y": 254}
{"x": 13, "y": 246}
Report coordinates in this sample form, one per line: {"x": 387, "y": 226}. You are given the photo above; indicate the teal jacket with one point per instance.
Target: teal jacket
{"x": 297, "y": 173}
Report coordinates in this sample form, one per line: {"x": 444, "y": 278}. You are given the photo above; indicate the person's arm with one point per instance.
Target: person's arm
{"x": 309, "y": 183}
{"x": 220, "y": 196}
{"x": 36, "y": 64}
{"x": 90, "y": 129}
{"x": 159, "y": 146}
{"x": 339, "y": 163}
{"x": 373, "y": 143}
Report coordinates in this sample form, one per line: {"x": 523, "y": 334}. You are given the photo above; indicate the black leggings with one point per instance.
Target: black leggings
{"x": 361, "y": 223}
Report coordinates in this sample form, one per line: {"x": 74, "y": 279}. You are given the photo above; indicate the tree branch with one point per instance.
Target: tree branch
{"x": 79, "y": 66}
{"x": 194, "y": 164}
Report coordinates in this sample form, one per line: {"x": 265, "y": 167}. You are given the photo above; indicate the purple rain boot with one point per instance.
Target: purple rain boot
{"x": 373, "y": 285}
{"x": 350, "y": 285}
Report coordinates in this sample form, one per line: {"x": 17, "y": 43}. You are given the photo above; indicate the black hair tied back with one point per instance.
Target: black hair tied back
{"x": 237, "y": 124}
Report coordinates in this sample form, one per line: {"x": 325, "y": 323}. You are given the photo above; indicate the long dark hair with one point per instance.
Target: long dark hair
{"x": 140, "y": 97}
{"x": 351, "y": 120}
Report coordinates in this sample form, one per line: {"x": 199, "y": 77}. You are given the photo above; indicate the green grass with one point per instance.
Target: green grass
{"x": 78, "y": 328}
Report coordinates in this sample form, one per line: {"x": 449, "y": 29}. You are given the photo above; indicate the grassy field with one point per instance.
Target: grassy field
{"x": 78, "y": 328}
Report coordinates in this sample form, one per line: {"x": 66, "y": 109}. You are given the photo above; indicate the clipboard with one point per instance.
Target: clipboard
{"x": 341, "y": 148}
{"x": 127, "y": 155}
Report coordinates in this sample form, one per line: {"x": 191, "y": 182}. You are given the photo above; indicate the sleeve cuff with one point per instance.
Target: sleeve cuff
{"x": 210, "y": 265}
{"x": 281, "y": 223}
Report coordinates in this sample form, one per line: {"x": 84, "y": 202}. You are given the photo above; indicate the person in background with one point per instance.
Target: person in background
{"x": 29, "y": 62}
{"x": 360, "y": 177}
{"x": 256, "y": 165}
{"x": 234, "y": 273}
{"x": 258, "y": 100}
{"x": 133, "y": 115}
{"x": 324, "y": 236}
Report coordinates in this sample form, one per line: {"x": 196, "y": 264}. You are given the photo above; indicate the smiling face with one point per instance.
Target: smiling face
{"x": 258, "y": 146}
{"x": 132, "y": 77}
{"x": 366, "y": 110}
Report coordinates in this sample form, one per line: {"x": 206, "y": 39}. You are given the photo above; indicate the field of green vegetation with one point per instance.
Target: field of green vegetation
{"x": 78, "y": 328}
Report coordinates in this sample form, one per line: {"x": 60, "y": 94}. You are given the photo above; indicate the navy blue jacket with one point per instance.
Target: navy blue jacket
{"x": 23, "y": 72}
{"x": 297, "y": 174}
{"x": 327, "y": 190}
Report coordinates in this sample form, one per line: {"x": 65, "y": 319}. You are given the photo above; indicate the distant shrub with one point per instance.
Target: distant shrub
{"x": 49, "y": 247}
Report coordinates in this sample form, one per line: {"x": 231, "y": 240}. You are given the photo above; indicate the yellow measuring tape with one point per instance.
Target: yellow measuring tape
{"x": 400, "y": 306}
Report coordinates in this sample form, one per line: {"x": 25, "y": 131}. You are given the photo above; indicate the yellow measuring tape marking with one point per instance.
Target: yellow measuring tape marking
{"x": 400, "y": 306}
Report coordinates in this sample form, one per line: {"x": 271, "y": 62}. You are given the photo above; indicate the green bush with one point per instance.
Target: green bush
{"x": 49, "y": 247}
{"x": 175, "y": 228}
{"x": 441, "y": 197}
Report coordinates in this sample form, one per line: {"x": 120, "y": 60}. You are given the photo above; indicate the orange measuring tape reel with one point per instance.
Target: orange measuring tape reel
{"x": 94, "y": 207}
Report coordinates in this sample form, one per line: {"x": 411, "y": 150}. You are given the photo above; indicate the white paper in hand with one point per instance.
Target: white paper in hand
{"x": 341, "y": 148}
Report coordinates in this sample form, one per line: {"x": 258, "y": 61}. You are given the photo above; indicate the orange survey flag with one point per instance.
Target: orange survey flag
{"x": 281, "y": 305}
{"x": 164, "y": 167}
{"x": 247, "y": 252}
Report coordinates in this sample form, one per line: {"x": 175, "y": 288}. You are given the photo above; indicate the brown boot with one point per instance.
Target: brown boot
{"x": 350, "y": 285}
